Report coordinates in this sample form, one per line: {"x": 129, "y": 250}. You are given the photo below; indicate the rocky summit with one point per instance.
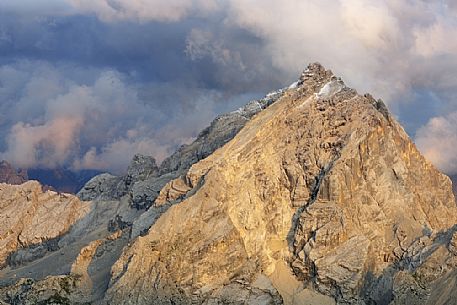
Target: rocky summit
{"x": 311, "y": 195}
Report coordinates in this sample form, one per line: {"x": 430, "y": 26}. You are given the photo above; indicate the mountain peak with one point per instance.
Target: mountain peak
{"x": 320, "y": 188}
{"x": 313, "y": 194}
{"x": 315, "y": 68}
{"x": 314, "y": 73}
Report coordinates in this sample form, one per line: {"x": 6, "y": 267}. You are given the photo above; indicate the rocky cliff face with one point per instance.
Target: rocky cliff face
{"x": 323, "y": 182}
{"x": 33, "y": 219}
{"x": 312, "y": 195}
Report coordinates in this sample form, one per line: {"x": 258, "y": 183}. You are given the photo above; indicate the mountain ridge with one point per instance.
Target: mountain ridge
{"x": 364, "y": 126}
{"x": 314, "y": 195}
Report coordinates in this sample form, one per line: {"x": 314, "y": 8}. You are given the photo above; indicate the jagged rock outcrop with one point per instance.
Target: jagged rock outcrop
{"x": 323, "y": 181}
{"x": 141, "y": 184}
{"x": 33, "y": 219}
{"x": 101, "y": 187}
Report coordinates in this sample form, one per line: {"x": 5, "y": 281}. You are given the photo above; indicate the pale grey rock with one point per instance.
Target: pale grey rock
{"x": 101, "y": 187}
{"x": 141, "y": 167}
{"x": 143, "y": 193}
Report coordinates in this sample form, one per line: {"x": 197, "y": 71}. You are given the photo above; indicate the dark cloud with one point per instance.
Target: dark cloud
{"x": 147, "y": 75}
{"x": 51, "y": 120}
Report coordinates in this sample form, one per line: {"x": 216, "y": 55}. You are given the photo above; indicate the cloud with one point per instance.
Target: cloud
{"x": 370, "y": 23}
{"x": 44, "y": 145}
{"x": 52, "y": 120}
{"x": 144, "y": 10}
{"x": 201, "y": 43}
{"x": 435, "y": 40}
{"x": 112, "y": 157}
{"x": 438, "y": 139}
{"x": 362, "y": 40}
{"x": 64, "y": 116}
{"x": 171, "y": 66}
{"x": 37, "y": 7}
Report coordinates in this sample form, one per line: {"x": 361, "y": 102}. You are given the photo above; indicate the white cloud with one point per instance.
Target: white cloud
{"x": 437, "y": 39}
{"x": 370, "y": 23}
{"x": 438, "y": 141}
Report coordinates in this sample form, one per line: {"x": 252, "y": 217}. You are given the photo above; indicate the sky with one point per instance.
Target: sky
{"x": 86, "y": 84}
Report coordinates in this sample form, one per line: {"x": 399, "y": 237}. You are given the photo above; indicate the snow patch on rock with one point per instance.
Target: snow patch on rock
{"x": 331, "y": 88}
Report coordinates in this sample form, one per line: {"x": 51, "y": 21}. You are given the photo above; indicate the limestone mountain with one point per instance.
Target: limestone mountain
{"x": 312, "y": 195}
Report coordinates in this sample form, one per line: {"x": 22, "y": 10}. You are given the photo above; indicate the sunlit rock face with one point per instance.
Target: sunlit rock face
{"x": 324, "y": 182}
{"x": 312, "y": 195}
{"x": 30, "y": 217}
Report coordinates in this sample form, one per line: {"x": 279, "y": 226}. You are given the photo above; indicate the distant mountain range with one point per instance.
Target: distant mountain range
{"x": 61, "y": 180}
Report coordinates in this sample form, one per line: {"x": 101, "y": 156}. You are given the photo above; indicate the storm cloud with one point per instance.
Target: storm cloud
{"x": 86, "y": 84}
{"x": 50, "y": 120}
